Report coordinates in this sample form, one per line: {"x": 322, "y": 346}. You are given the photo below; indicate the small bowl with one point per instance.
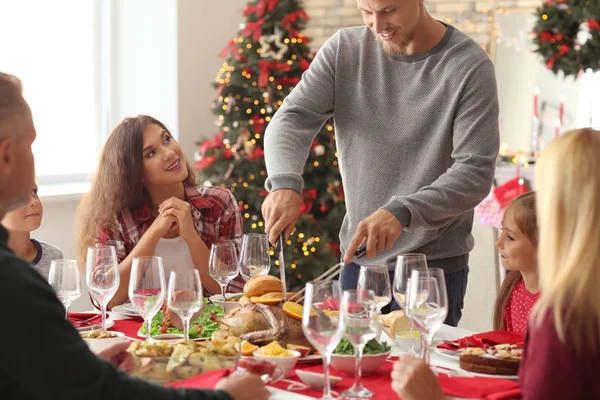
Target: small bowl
{"x": 229, "y": 303}
{"x": 98, "y": 344}
{"x": 316, "y": 380}
{"x": 286, "y": 363}
{"x": 405, "y": 343}
{"x": 369, "y": 363}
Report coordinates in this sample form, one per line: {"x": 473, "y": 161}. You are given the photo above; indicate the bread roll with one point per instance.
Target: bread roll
{"x": 399, "y": 324}
{"x": 388, "y": 319}
{"x": 261, "y": 284}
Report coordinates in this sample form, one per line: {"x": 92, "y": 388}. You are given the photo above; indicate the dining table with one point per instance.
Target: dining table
{"x": 291, "y": 389}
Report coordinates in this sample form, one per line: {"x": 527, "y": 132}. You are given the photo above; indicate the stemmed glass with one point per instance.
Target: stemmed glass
{"x": 254, "y": 255}
{"x": 102, "y": 276}
{"x": 377, "y": 279}
{"x": 184, "y": 297}
{"x": 223, "y": 264}
{"x": 64, "y": 278}
{"x": 361, "y": 326}
{"x": 405, "y": 264}
{"x": 427, "y": 303}
{"x": 147, "y": 288}
{"x": 323, "y": 330}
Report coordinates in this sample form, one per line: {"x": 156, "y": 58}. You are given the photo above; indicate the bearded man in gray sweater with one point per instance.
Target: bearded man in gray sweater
{"x": 415, "y": 107}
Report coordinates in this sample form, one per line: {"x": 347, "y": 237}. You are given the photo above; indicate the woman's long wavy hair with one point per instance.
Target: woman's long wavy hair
{"x": 568, "y": 184}
{"x": 117, "y": 183}
{"x": 522, "y": 211}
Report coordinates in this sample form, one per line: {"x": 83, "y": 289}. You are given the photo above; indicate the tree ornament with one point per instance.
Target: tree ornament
{"x": 319, "y": 150}
{"x": 272, "y": 46}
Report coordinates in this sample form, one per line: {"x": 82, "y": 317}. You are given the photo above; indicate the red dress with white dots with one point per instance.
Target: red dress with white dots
{"x": 518, "y": 308}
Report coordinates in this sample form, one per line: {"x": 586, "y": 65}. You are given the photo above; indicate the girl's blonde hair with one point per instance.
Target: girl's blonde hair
{"x": 567, "y": 176}
{"x": 522, "y": 211}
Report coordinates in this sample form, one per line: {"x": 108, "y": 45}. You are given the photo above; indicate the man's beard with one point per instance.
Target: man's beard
{"x": 392, "y": 48}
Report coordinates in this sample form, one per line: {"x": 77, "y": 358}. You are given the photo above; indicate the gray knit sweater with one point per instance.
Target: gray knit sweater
{"x": 416, "y": 135}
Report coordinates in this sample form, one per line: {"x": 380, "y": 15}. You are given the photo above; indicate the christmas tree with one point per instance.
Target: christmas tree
{"x": 263, "y": 63}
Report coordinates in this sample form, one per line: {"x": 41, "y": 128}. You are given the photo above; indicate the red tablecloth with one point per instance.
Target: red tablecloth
{"x": 129, "y": 327}
{"x": 379, "y": 382}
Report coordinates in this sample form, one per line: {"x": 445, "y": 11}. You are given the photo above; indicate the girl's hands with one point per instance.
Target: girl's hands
{"x": 413, "y": 380}
{"x": 163, "y": 225}
{"x": 182, "y": 212}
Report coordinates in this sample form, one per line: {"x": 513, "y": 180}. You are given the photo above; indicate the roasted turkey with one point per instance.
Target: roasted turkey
{"x": 261, "y": 324}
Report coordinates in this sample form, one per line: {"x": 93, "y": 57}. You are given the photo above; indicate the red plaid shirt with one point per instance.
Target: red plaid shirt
{"x": 215, "y": 213}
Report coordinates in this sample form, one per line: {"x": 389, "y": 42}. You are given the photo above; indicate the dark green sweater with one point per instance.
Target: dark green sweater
{"x": 43, "y": 357}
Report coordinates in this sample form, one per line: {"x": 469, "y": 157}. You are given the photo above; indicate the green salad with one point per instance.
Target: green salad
{"x": 372, "y": 347}
{"x": 201, "y": 327}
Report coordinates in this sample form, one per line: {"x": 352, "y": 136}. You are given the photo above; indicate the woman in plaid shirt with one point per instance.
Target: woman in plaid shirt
{"x": 144, "y": 201}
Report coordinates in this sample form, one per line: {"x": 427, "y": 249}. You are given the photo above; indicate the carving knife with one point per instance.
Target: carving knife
{"x": 280, "y": 245}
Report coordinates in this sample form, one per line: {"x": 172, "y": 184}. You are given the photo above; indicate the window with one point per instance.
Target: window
{"x": 55, "y": 48}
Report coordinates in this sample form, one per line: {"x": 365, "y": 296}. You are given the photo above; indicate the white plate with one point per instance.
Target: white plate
{"x": 510, "y": 377}
{"x": 129, "y": 307}
{"x": 447, "y": 353}
{"x": 315, "y": 379}
{"x": 158, "y": 337}
{"x": 98, "y": 326}
{"x": 121, "y": 310}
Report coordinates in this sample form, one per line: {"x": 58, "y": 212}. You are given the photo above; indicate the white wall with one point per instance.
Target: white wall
{"x": 144, "y": 61}
{"x": 204, "y": 28}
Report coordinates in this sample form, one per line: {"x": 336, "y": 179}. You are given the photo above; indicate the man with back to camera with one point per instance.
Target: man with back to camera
{"x": 415, "y": 107}
{"x": 43, "y": 356}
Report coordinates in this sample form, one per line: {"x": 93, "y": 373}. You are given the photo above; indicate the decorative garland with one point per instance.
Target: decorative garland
{"x": 567, "y": 35}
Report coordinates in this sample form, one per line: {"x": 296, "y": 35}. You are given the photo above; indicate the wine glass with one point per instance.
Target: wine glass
{"x": 147, "y": 289}
{"x": 254, "y": 255}
{"x": 361, "y": 326}
{"x": 223, "y": 264}
{"x": 405, "y": 264}
{"x": 64, "y": 278}
{"x": 377, "y": 279}
{"x": 323, "y": 330}
{"x": 102, "y": 276}
{"x": 427, "y": 303}
{"x": 184, "y": 297}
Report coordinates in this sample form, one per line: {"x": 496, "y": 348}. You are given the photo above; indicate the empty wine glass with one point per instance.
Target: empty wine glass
{"x": 405, "y": 264}
{"x": 64, "y": 278}
{"x": 427, "y": 302}
{"x": 147, "y": 288}
{"x": 377, "y": 279}
{"x": 223, "y": 264}
{"x": 361, "y": 326}
{"x": 254, "y": 255}
{"x": 184, "y": 297}
{"x": 324, "y": 330}
{"x": 102, "y": 276}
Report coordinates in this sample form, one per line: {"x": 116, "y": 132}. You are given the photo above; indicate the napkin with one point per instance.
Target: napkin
{"x": 207, "y": 380}
{"x": 479, "y": 387}
{"x": 81, "y": 320}
{"x": 490, "y": 338}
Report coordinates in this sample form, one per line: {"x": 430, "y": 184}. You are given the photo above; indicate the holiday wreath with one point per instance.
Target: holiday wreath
{"x": 567, "y": 35}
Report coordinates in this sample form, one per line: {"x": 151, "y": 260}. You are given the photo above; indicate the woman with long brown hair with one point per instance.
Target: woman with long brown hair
{"x": 144, "y": 201}
{"x": 517, "y": 245}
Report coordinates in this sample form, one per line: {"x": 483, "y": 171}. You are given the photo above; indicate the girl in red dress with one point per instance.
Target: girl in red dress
{"x": 517, "y": 246}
